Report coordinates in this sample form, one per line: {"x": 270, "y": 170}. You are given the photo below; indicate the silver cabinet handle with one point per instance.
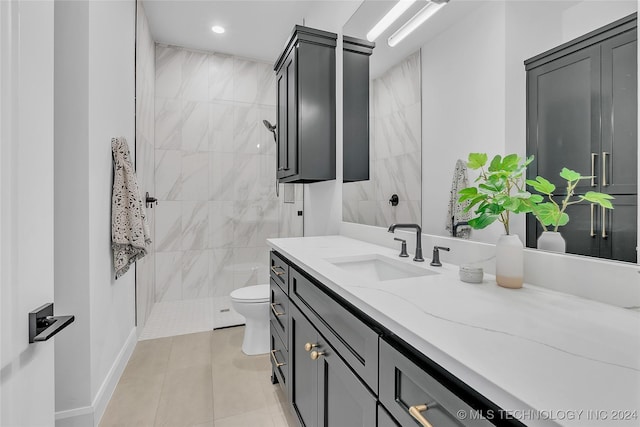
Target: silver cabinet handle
{"x": 604, "y": 223}
{"x": 591, "y": 232}
{"x": 604, "y": 168}
{"x": 593, "y": 169}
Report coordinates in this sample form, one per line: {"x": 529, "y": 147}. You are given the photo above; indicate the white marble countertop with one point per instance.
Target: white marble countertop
{"x": 547, "y": 357}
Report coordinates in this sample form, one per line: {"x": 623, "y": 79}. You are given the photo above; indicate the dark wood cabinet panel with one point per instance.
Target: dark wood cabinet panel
{"x": 355, "y": 76}
{"x": 564, "y": 116}
{"x": 582, "y": 113}
{"x": 619, "y": 153}
{"x": 306, "y": 105}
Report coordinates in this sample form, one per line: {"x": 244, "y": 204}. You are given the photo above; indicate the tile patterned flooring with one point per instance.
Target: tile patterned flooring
{"x": 197, "y": 380}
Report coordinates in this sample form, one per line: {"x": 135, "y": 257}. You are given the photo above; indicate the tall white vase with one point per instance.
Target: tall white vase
{"x": 552, "y": 241}
{"x": 509, "y": 261}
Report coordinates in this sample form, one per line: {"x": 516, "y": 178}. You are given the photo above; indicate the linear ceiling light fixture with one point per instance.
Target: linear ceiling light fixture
{"x": 418, "y": 19}
{"x": 388, "y": 19}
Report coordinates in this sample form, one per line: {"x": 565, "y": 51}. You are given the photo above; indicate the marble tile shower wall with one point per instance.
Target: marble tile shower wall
{"x": 145, "y": 163}
{"x": 395, "y": 151}
{"x": 215, "y": 173}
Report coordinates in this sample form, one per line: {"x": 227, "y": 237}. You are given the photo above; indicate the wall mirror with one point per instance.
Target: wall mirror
{"x": 473, "y": 89}
{"x": 393, "y": 191}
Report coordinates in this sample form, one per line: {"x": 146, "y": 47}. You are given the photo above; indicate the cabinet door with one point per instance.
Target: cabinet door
{"x": 344, "y": 400}
{"x": 384, "y": 419}
{"x": 619, "y": 154}
{"x": 304, "y": 370}
{"x": 563, "y": 108}
{"x": 618, "y": 230}
{"x": 291, "y": 164}
{"x": 281, "y": 102}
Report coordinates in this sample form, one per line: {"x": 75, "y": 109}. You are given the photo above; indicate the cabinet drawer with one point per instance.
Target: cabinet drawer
{"x": 404, "y": 384}
{"x": 384, "y": 419}
{"x": 279, "y": 313}
{"x": 279, "y": 359}
{"x": 279, "y": 271}
{"x": 353, "y": 339}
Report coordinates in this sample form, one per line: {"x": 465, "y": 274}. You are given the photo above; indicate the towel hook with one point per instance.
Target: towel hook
{"x": 149, "y": 201}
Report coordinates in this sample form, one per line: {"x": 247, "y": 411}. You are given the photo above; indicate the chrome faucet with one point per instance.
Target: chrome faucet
{"x": 418, "y": 257}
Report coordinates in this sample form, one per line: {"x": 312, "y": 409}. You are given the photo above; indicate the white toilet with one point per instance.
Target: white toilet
{"x": 252, "y": 302}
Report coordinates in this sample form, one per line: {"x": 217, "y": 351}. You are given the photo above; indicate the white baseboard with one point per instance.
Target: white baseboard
{"x": 91, "y": 415}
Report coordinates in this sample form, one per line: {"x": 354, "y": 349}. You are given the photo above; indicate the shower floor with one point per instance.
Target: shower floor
{"x": 171, "y": 318}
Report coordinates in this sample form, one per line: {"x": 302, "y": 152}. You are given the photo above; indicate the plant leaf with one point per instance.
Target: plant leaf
{"x": 510, "y": 162}
{"x": 564, "y": 220}
{"x": 602, "y": 199}
{"x": 495, "y": 164}
{"x": 542, "y": 185}
{"x": 570, "y": 175}
{"x": 477, "y": 160}
{"x": 483, "y": 221}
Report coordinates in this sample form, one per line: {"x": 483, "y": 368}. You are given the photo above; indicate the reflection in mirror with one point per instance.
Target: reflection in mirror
{"x": 393, "y": 192}
{"x": 473, "y": 84}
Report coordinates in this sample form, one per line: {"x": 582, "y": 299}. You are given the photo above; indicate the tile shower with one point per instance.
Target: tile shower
{"x": 395, "y": 151}
{"x": 215, "y": 181}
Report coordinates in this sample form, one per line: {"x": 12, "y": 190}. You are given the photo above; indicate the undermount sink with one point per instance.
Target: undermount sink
{"x": 379, "y": 268}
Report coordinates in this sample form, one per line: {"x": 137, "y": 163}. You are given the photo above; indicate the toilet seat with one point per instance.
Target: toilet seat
{"x": 251, "y": 294}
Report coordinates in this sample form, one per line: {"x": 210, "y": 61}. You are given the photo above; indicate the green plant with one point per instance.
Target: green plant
{"x": 501, "y": 190}
{"x": 552, "y": 213}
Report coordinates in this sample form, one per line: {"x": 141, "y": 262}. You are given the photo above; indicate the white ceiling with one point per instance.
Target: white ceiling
{"x": 254, "y": 29}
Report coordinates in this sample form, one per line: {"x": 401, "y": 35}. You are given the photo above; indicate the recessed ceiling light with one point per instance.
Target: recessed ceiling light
{"x": 217, "y": 29}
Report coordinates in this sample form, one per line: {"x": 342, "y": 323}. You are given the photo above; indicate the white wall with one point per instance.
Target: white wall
{"x": 463, "y": 107}
{"x": 26, "y": 209}
{"x": 72, "y": 274}
{"x": 106, "y": 93}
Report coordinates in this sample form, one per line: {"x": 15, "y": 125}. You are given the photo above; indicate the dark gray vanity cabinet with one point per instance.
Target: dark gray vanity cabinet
{"x": 340, "y": 368}
{"x": 406, "y": 388}
{"x": 355, "y": 149}
{"x": 306, "y": 107}
{"x": 324, "y": 391}
{"x": 582, "y": 114}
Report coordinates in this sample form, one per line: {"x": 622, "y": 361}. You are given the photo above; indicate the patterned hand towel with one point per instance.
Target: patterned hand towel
{"x": 455, "y": 213}
{"x": 129, "y": 229}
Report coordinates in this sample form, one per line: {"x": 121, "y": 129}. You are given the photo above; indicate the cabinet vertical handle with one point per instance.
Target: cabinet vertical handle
{"x": 591, "y": 232}
{"x": 273, "y": 356}
{"x": 593, "y": 169}
{"x": 604, "y": 223}
{"x": 416, "y": 412}
{"x": 276, "y": 312}
{"x": 604, "y": 168}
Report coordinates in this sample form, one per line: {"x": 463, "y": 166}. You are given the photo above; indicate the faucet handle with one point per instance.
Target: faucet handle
{"x": 435, "y": 259}
{"x": 403, "y": 250}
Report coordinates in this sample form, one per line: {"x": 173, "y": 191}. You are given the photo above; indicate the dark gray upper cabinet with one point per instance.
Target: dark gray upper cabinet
{"x": 306, "y": 107}
{"x": 582, "y": 113}
{"x": 355, "y": 149}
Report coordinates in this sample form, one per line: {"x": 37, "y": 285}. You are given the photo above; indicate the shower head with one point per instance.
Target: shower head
{"x": 269, "y": 126}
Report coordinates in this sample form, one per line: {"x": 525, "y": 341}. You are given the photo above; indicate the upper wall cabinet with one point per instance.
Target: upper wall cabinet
{"x": 582, "y": 106}
{"x": 355, "y": 63}
{"x": 306, "y": 107}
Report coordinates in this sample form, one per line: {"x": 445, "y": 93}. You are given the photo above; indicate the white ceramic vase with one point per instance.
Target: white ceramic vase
{"x": 509, "y": 261}
{"x": 552, "y": 241}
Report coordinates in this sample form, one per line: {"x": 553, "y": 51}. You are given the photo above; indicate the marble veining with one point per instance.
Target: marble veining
{"x": 531, "y": 349}
{"x": 395, "y": 151}
{"x": 215, "y": 175}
